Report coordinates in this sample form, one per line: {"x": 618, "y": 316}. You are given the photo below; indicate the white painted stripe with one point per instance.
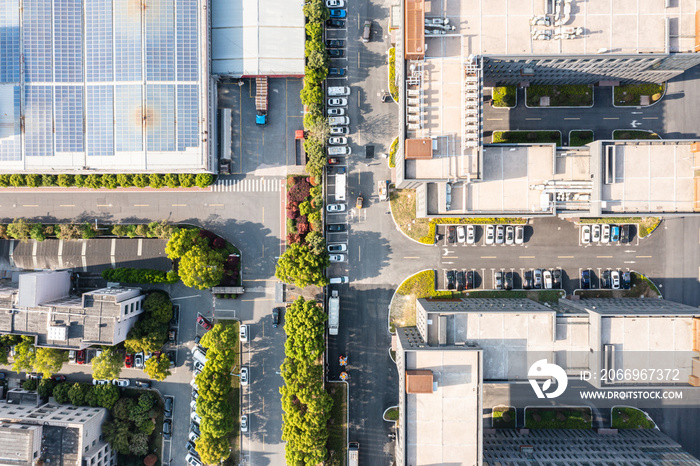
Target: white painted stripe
{"x": 34, "y": 248}
{"x": 84, "y": 248}
{"x": 140, "y": 247}
{"x": 114, "y": 246}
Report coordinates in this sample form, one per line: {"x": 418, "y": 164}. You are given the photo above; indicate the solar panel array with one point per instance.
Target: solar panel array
{"x": 99, "y": 77}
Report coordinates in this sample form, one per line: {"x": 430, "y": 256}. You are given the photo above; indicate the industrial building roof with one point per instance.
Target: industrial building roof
{"x": 103, "y": 85}
{"x": 258, "y": 38}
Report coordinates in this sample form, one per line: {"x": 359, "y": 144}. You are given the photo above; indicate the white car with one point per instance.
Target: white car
{"x": 121, "y": 382}
{"x": 461, "y": 234}
{"x": 586, "y": 234}
{"x": 510, "y": 234}
{"x": 547, "y": 279}
{"x": 338, "y": 141}
{"x": 244, "y": 333}
{"x": 195, "y": 417}
{"x": 335, "y": 3}
{"x": 244, "y": 376}
{"x": 337, "y": 102}
{"x": 471, "y": 234}
{"x": 490, "y": 234}
{"x": 519, "y": 234}
{"x": 605, "y": 234}
{"x": 191, "y": 460}
{"x": 336, "y": 111}
{"x": 339, "y": 130}
{"x": 198, "y": 367}
{"x": 337, "y": 257}
{"x": 339, "y": 247}
{"x": 338, "y": 91}
{"x": 244, "y": 423}
{"x": 500, "y": 234}
{"x": 193, "y": 437}
{"x": 101, "y": 382}
{"x": 595, "y": 233}
{"x": 335, "y": 207}
{"x": 615, "y": 279}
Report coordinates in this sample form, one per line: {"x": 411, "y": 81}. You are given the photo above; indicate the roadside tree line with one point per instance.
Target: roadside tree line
{"x": 108, "y": 180}
{"x": 22, "y": 230}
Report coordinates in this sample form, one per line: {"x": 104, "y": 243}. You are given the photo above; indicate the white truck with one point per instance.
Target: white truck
{"x": 340, "y": 187}
{"x": 333, "y": 313}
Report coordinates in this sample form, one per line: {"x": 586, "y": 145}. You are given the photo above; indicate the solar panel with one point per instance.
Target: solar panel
{"x": 160, "y": 41}
{"x": 129, "y": 118}
{"x": 100, "y": 120}
{"x": 9, "y": 41}
{"x": 187, "y": 116}
{"x": 69, "y": 118}
{"x": 98, "y": 40}
{"x": 160, "y": 117}
{"x": 37, "y": 40}
{"x": 10, "y": 142}
{"x": 68, "y": 47}
{"x": 186, "y": 14}
{"x": 37, "y": 116}
{"x": 127, "y": 39}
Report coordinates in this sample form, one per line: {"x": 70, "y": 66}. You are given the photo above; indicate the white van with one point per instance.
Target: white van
{"x": 339, "y": 280}
{"x": 338, "y": 120}
{"x": 198, "y": 356}
{"x": 339, "y": 150}
{"x": 334, "y": 91}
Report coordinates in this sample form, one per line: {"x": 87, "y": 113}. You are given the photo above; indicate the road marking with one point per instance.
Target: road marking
{"x": 565, "y": 257}
{"x": 643, "y": 257}
{"x": 526, "y": 257}
{"x": 66, "y": 205}
{"x": 103, "y": 205}
{"x": 494, "y": 119}
{"x": 489, "y": 257}
{"x": 604, "y": 257}
{"x": 616, "y": 118}
{"x": 650, "y": 118}
{"x": 214, "y": 205}
{"x": 450, "y": 257}
{"x": 30, "y": 205}
{"x": 179, "y": 205}
{"x": 572, "y": 118}
{"x": 140, "y": 205}
{"x": 533, "y": 119}
{"x": 412, "y": 257}
{"x": 630, "y": 262}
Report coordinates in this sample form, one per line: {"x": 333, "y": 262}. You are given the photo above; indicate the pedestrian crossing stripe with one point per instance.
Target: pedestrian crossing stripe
{"x": 248, "y": 185}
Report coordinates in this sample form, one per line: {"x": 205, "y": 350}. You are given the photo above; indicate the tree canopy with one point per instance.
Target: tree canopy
{"x": 201, "y": 268}
{"x": 49, "y": 361}
{"x": 301, "y": 267}
{"x": 107, "y": 365}
{"x": 181, "y": 241}
{"x": 157, "y": 368}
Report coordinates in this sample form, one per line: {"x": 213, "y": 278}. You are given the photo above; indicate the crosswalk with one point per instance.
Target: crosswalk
{"x": 248, "y": 185}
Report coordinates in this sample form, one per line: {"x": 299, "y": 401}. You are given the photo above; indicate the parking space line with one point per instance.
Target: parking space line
{"x": 533, "y": 119}
{"x": 489, "y": 257}
{"x": 565, "y": 257}
{"x": 603, "y": 257}
{"x": 643, "y": 257}
{"x": 411, "y": 257}
{"x": 611, "y": 118}
{"x": 526, "y": 257}
{"x": 572, "y": 118}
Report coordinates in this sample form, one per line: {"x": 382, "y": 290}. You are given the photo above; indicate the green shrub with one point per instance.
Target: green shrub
{"x": 156, "y": 181}
{"x": 65, "y": 180}
{"x": 110, "y": 181}
{"x": 32, "y": 180}
{"x": 393, "y": 88}
{"x": 129, "y": 275}
{"x": 186, "y": 180}
{"x": 171, "y": 180}
{"x": 48, "y": 180}
{"x": 17, "y": 180}
{"x": 580, "y": 138}
{"x": 4, "y": 180}
{"x": 37, "y": 232}
{"x": 125, "y": 180}
{"x": 140, "y": 180}
{"x": 88, "y": 231}
{"x": 504, "y": 96}
{"x": 93, "y": 181}
{"x": 79, "y": 180}
{"x": 203, "y": 180}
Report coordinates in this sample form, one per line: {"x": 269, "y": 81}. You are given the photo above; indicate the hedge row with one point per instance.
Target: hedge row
{"x": 109, "y": 181}
{"x": 128, "y": 275}
{"x": 22, "y": 230}
{"x": 393, "y": 89}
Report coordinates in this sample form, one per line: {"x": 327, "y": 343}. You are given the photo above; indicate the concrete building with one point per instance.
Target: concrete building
{"x": 448, "y": 56}
{"x": 43, "y": 307}
{"x": 102, "y": 86}
{"x": 55, "y": 434}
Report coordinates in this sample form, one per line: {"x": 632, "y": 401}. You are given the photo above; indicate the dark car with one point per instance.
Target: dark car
{"x": 508, "y": 285}
{"x": 80, "y": 359}
{"x": 168, "y": 406}
{"x": 335, "y": 227}
{"x": 142, "y": 384}
{"x": 335, "y": 23}
{"x": 461, "y": 281}
{"x": 275, "y": 317}
{"x": 194, "y": 427}
{"x": 176, "y": 315}
{"x": 56, "y": 378}
{"x": 556, "y": 278}
{"x": 197, "y": 339}
{"x": 626, "y": 280}
{"x": 167, "y": 424}
{"x": 499, "y": 280}
{"x": 172, "y": 356}
{"x": 470, "y": 280}
{"x": 172, "y": 335}
{"x": 336, "y": 71}
{"x": 336, "y": 53}
{"x": 204, "y": 323}
{"x": 191, "y": 449}
{"x": 585, "y": 279}
{"x": 335, "y": 43}
{"x": 451, "y": 234}
{"x": 625, "y": 234}
{"x": 605, "y": 281}
{"x": 3, "y": 375}
{"x": 528, "y": 284}
{"x": 451, "y": 280}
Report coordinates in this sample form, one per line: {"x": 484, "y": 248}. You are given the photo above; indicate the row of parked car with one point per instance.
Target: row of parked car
{"x": 460, "y": 279}
{"x": 494, "y": 234}
{"x": 605, "y": 233}
{"x": 609, "y": 279}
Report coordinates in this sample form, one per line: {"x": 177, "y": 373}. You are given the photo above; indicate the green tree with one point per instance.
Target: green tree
{"x": 317, "y": 59}
{"x": 157, "y": 368}
{"x": 316, "y": 242}
{"x": 107, "y": 365}
{"x": 78, "y": 394}
{"x": 19, "y": 229}
{"x": 155, "y": 181}
{"x": 93, "y": 181}
{"x": 315, "y": 74}
{"x": 32, "y": 180}
{"x": 68, "y": 232}
{"x": 4, "y": 180}
{"x": 110, "y": 181}
{"x": 49, "y": 361}
{"x": 46, "y": 387}
{"x": 216, "y": 427}
{"x": 17, "y": 180}
{"x": 107, "y": 395}
{"x": 171, "y": 180}
{"x": 316, "y": 11}
{"x": 304, "y": 324}
{"x": 60, "y": 393}
{"x": 125, "y": 180}
{"x": 160, "y": 307}
{"x": 24, "y": 355}
{"x": 201, "y": 268}
{"x": 48, "y": 180}
{"x": 30, "y": 384}
{"x": 187, "y": 180}
{"x": 123, "y": 408}
{"x": 87, "y": 231}
{"x": 181, "y": 241}
{"x": 79, "y": 180}
{"x": 298, "y": 265}
{"x": 203, "y": 180}
{"x": 138, "y": 444}
{"x": 65, "y": 180}
{"x": 140, "y": 180}
{"x": 212, "y": 450}
{"x": 119, "y": 230}
{"x": 36, "y": 232}
{"x": 117, "y": 433}
{"x": 221, "y": 338}
{"x": 161, "y": 230}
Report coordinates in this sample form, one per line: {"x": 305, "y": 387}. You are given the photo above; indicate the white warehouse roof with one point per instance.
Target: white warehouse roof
{"x": 258, "y": 38}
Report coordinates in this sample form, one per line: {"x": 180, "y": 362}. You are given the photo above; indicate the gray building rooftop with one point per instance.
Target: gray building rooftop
{"x": 17, "y": 444}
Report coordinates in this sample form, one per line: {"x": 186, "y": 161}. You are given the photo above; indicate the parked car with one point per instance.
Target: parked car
{"x": 450, "y": 279}
{"x": 168, "y": 406}
{"x": 172, "y": 357}
{"x": 527, "y": 280}
{"x": 337, "y": 102}
{"x": 537, "y": 276}
{"x": 335, "y": 3}
{"x": 332, "y": 72}
{"x": 55, "y": 378}
{"x": 615, "y": 278}
{"x": 359, "y": 202}
{"x": 519, "y": 234}
{"x": 335, "y": 24}
{"x": 335, "y": 227}
{"x": 142, "y": 384}
{"x": 337, "y": 13}
{"x": 129, "y": 360}
{"x": 336, "y": 53}
{"x": 366, "y": 31}
{"x": 547, "y": 279}
{"x": 461, "y": 234}
{"x": 499, "y": 280}
{"x": 35, "y": 375}
{"x": 336, "y": 111}
{"x": 81, "y": 357}
{"x": 276, "y": 313}
{"x": 244, "y": 376}
{"x": 461, "y": 281}
{"x": 605, "y": 234}
{"x": 510, "y": 234}
{"x": 120, "y": 382}
{"x": 339, "y": 280}
{"x": 334, "y": 44}
{"x": 335, "y": 208}
{"x": 198, "y": 367}
{"x": 193, "y": 461}
{"x": 333, "y": 160}
{"x": 206, "y": 325}
{"x": 614, "y": 233}
{"x": 470, "y": 280}
{"x": 556, "y": 278}
{"x": 244, "y": 423}
{"x": 172, "y": 335}
{"x": 337, "y": 257}
{"x": 585, "y": 234}
{"x": 508, "y": 282}
{"x": 190, "y": 448}
{"x": 195, "y": 395}
{"x": 340, "y": 247}
{"x": 490, "y": 234}
{"x": 193, "y": 437}
{"x": 605, "y": 281}
{"x": 340, "y": 130}
{"x": 625, "y": 234}
{"x": 500, "y": 234}
{"x": 100, "y": 382}
{"x": 626, "y": 280}
{"x": 471, "y": 234}
{"x": 167, "y": 424}
{"x": 451, "y": 235}
{"x": 243, "y": 332}
{"x": 337, "y": 140}
{"x": 194, "y": 427}
{"x": 71, "y": 356}
{"x": 595, "y": 233}
{"x": 98, "y": 352}
{"x": 585, "y": 279}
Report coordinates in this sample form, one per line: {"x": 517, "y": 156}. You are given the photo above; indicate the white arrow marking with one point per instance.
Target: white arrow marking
{"x": 635, "y": 124}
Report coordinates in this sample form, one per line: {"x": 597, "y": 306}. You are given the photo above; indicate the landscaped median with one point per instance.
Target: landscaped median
{"x": 558, "y": 418}
{"x": 626, "y": 417}
{"x": 630, "y": 95}
{"x": 526, "y": 137}
{"x": 633, "y": 135}
{"x": 569, "y": 95}
{"x": 393, "y": 89}
{"x": 108, "y": 180}
{"x": 503, "y": 417}
{"x": 504, "y": 96}
{"x": 403, "y": 209}
{"x": 337, "y": 424}
{"x": 578, "y": 138}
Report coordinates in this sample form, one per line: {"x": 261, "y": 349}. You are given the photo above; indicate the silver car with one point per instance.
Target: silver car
{"x": 490, "y": 234}
{"x": 519, "y": 234}
{"x": 510, "y": 234}
{"x": 500, "y": 234}
{"x": 337, "y": 257}
{"x": 538, "y": 278}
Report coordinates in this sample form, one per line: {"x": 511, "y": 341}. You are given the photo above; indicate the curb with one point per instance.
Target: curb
{"x": 388, "y": 74}
{"x": 578, "y": 130}
{"x": 564, "y": 106}
{"x": 386, "y": 410}
{"x": 388, "y": 315}
{"x": 509, "y": 408}
{"x": 633, "y": 407}
{"x": 612, "y": 135}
